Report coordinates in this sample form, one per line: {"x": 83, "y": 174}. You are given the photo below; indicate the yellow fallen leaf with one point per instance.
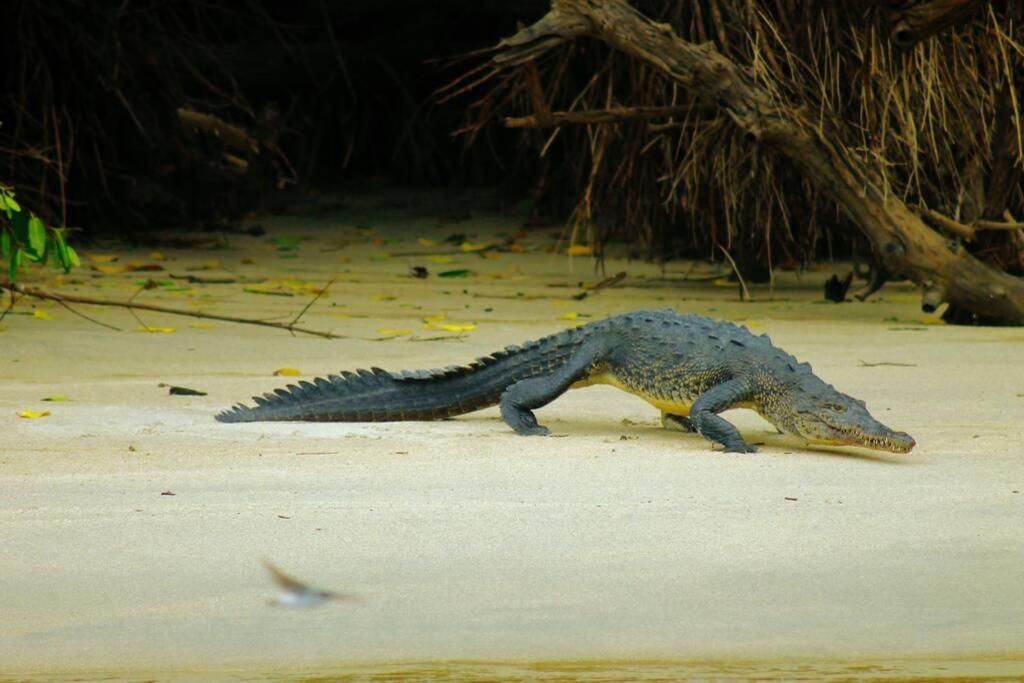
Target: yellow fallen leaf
{"x": 212, "y": 264}
{"x": 56, "y": 398}
{"x": 571, "y": 315}
{"x": 491, "y": 255}
{"x": 579, "y": 250}
{"x": 114, "y": 268}
{"x": 440, "y": 258}
{"x": 287, "y": 372}
{"x": 427, "y": 242}
{"x": 431, "y": 319}
{"x": 723, "y": 282}
{"x": 102, "y": 258}
{"x": 469, "y": 246}
{"x": 157, "y": 256}
{"x": 383, "y": 297}
{"x": 156, "y": 328}
{"x": 110, "y": 270}
{"x": 392, "y": 332}
{"x": 41, "y": 315}
{"x": 34, "y": 414}
{"x": 202, "y": 326}
{"x": 453, "y": 328}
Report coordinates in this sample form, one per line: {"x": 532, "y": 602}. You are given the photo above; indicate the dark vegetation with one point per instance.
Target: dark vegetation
{"x": 141, "y": 114}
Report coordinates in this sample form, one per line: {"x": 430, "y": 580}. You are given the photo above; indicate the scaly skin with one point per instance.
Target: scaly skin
{"x": 690, "y": 367}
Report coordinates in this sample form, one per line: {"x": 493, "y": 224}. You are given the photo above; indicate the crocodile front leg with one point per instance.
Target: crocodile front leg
{"x": 704, "y": 418}
{"x": 520, "y": 399}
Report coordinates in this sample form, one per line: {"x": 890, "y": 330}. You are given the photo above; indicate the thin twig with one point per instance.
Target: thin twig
{"x": 743, "y": 285}
{"x": 92, "y": 320}
{"x": 607, "y": 282}
{"x": 9, "y": 308}
{"x": 68, "y": 298}
{"x": 319, "y": 294}
{"x": 865, "y": 364}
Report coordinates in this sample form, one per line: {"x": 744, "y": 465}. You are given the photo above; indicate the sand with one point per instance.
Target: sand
{"x": 613, "y": 550}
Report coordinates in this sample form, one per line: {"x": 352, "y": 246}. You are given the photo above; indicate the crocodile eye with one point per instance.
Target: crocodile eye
{"x": 836, "y": 407}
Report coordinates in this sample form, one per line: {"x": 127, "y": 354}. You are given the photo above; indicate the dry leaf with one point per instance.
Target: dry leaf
{"x": 113, "y": 269}
{"x": 431, "y": 319}
{"x": 202, "y": 326}
{"x": 427, "y": 242}
{"x": 579, "y": 250}
{"x": 56, "y": 398}
{"x": 287, "y": 372}
{"x": 452, "y": 328}
{"x": 41, "y": 315}
{"x": 129, "y": 267}
{"x": 571, "y": 315}
{"x": 383, "y": 297}
{"x": 102, "y": 258}
{"x": 157, "y": 256}
{"x": 34, "y": 414}
{"x": 156, "y": 328}
{"x": 492, "y": 255}
{"x": 469, "y": 246}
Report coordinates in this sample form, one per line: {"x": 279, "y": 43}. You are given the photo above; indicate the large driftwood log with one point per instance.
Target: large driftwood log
{"x": 903, "y": 244}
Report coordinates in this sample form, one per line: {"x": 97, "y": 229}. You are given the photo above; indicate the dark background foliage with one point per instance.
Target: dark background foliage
{"x": 340, "y": 94}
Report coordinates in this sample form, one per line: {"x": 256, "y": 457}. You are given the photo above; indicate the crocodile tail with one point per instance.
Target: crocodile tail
{"x": 377, "y": 395}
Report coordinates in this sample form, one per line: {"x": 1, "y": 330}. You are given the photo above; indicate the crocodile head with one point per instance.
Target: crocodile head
{"x": 819, "y": 413}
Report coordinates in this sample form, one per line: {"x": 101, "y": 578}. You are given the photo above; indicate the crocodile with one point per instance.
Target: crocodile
{"x": 689, "y": 366}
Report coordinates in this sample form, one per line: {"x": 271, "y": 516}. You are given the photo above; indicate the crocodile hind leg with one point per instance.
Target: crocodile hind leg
{"x": 520, "y": 399}
{"x": 677, "y": 423}
{"x": 704, "y": 418}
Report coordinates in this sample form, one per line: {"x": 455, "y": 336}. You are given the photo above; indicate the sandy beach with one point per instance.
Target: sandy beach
{"x": 133, "y": 524}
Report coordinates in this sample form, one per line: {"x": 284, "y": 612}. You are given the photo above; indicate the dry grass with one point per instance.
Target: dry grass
{"x": 924, "y": 116}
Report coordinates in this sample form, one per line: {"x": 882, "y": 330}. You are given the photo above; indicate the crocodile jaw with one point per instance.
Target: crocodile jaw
{"x": 894, "y": 442}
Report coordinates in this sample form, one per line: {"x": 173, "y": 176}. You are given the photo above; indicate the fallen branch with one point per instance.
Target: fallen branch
{"x": 231, "y": 135}
{"x": 65, "y": 299}
{"x": 916, "y": 21}
{"x": 968, "y": 232}
{"x": 592, "y": 116}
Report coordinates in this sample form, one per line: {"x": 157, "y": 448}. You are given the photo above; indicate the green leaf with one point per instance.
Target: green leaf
{"x": 461, "y": 272}
{"x": 61, "y": 249}
{"x": 36, "y": 236}
{"x": 5, "y": 243}
{"x": 72, "y": 258}
{"x": 15, "y": 263}
{"x": 7, "y": 201}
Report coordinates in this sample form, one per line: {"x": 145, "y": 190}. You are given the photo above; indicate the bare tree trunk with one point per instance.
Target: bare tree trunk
{"x": 903, "y": 244}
